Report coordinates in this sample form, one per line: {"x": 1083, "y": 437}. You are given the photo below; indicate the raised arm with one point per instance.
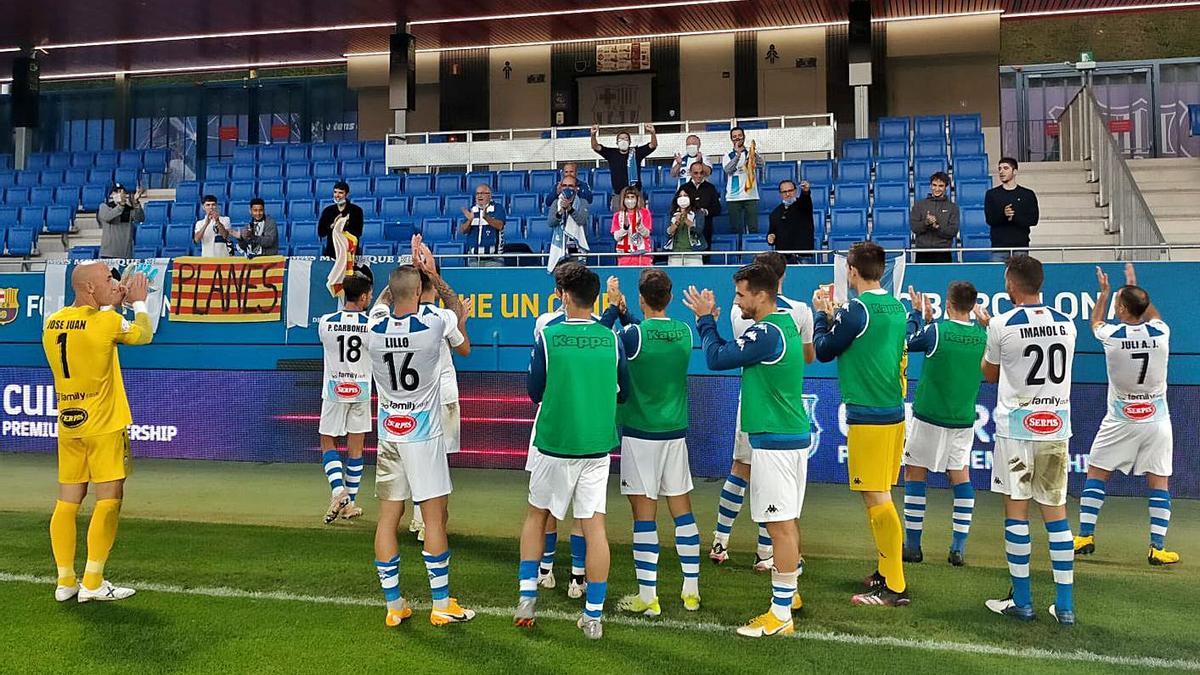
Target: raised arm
{"x": 1100, "y": 311}
{"x": 832, "y": 337}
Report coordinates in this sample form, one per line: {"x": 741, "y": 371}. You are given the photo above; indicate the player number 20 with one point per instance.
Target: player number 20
{"x": 1054, "y": 358}
{"x": 409, "y": 379}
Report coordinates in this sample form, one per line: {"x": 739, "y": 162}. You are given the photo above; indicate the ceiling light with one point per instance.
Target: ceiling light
{"x": 1098, "y": 10}
{"x": 588, "y": 10}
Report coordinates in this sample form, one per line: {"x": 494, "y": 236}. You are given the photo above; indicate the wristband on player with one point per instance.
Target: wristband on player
{"x": 140, "y": 307}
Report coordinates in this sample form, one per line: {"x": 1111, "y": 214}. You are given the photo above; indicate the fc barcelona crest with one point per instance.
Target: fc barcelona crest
{"x": 10, "y": 305}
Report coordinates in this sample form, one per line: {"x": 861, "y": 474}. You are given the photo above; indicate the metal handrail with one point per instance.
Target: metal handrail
{"x": 1085, "y": 138}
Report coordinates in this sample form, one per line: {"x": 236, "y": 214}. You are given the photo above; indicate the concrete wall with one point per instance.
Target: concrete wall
{"x": 705, "y": 91}
{"x": 784, "y": 89}
{"x": 938, "y": 66}
{"x": 517, "y": 103}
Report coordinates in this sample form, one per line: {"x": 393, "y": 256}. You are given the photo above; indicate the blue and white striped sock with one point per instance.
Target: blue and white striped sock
{"x": 765, "y": 548}
{"x": 578, "y": 555}
{"x": 1090, "y": 501}
{"x": 389, "y": 580}
{"x": 1062, "y": 560}
{"x": 1160, "y": 517}
{"x": 732, "y": 494}
{"x": 354, "y": 470}
{"x": 333, "y": 470}
{"x": 687, "y": 545}
{"x": 783, "y": 588}
{"x": 527, "y": 572}
{"x": 1017, "y": 549}
{"x": 596, "y": 592}
{"x": 964, "y": 510}
{"x": 438, "y": 567}
{"x": 645, "y": 558}
{"x": 548, "y": 551}
{"x": 914, "y": 513}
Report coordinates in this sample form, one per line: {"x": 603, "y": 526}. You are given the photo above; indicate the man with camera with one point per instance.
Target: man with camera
{"x": 117, "y": 217}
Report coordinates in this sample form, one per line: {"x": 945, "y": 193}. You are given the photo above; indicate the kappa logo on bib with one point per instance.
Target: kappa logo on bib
{"x": 348, "y": 390}
{"x": 400, "y": 425}
{"x": 1044, "y": 422}
{"x": 1140, "y": 410}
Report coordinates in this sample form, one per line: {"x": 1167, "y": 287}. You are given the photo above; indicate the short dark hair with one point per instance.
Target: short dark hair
{"x": 962, "y": 295}
{"x": 342, "y": 185}
{"x": 759, "y": 278}
{"x": 940, "y": 175}
{"x": 736, "y": 129}
{"x": 1135, "y": 299}
{"x": 655, "y": 288}
{"x": 581, "y": 283}
{"x": 1025, "y": 272}
{"x": 355, "y": 286}
{"x": 1009, "y": 161}
{"x": 868, "y": 258}
{"x": 559, "y": 268}
{"x": 788, "y": 181}
{"x": 773, "y": 259}
{"x": 257, "y": 201}
{"x": 209, "y": 198}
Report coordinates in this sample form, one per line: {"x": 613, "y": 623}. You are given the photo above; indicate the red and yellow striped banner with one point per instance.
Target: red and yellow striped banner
{"x": 227, "y": 289}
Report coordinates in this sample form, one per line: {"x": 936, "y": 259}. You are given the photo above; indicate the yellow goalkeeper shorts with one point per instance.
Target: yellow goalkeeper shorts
{"x": 875, "y": 452}
{"x": 94, "y": 459}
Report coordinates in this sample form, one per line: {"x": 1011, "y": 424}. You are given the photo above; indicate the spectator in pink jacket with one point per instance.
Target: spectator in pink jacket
{"x": 631, "y": 229}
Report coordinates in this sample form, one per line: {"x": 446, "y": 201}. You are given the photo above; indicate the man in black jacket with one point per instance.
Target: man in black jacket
{"x": 704, "y": 196}
{"x": 341, "y": 205}
{"x": 792, "y": 222}
{"x": 1011, "y": 210}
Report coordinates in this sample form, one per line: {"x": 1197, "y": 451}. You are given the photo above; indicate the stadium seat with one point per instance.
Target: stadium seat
{"x": 448, "y": 183}
{"x": 891, "y": 242}
{"x": 400, "y": 231}
{"x": 437, "y": 229}
{"x": 969, "y": 167}
{"x": 100, "y": 176}
{"x": 244, "y": 172}
{"x": 242, "y": 190}
{"x": 387, "y": 186}
{"x": 889, "y": 222}
{"x": 9, "y": 216}
{"x": 848, "y": 222}
{"x": 80, "y": 253}
{"x": 75, "y": 177}
{"x": 816, "y": 172}
{"x": 297, "y": 169}
{"x": 303, "y": 233}
{"x": 51, "y": 177}
{"x": 972, "y": 222}
{"x": 779, "y": 171}
{"x": 966, "y": 146}
{"x": 924, "y": 167}
{"x": 372, "y": 230}
{"x": 158, "y": 212}
{"x": 145, "y": 251}
{"x": 178, "y": 236}
{"x": 857, "y": 149}
{"x": 354, "y": 168}
{"x": 475, "y": 178}
{"x": 105, "y": 159}
{"x": 295, "y": 153}
{"x": 971, "y": 244}
{"x": 601, "y": 181}
{"x": 20, "y": 242}
{"x": 247, "y": 154}
{"x": 276, "y": 208}
{"x": 83, "y": 160}
{"x": 891, "y": 171}
{"x": 149, "y": 234}
{"x": 16, "y": 196}
{"x": 91, "y": 196}
{"x": 269, "y": 154}
{"x": 511, "y": 182}
{"x": 768, "y": 199}
{"x": 377, "y": 167}
{"x": 67, "y": 195}
{"x": 360, "y": 186}
{"x": 306, "y": 250}
{"x": 323, "y": 187}
{"x": 301, "y": 209}
{"x": 374, "y": 150}
{"x": 893, "y": 128}
{"x": 929, "y": 147}
{"x": 376, "y": 247}
{"x": 272, "y": 171}
{"x": 270, "y": 189}
{"x": 893, "y": 149}
{"x": 59, "y": 160}
{"x": 661, "y": 200}
{"x": 426, "y": 206}
{"x": 7, "y": 179}
{"x": 450, "y": 248}
{"x": 418, "y": 184}
{"x": 130, "y": 159}
{"x": 854, "y": 171}
{"x": 348, "y": 150}
{"x": 299, "y": 188}
{"x": 930, "y": 126}
{"x": 29, "y": 178}
{"x": 321, "y": 152}
{"x": 851, "y": 195}
{"x": 820, "y": 197}
{"x": 129, "y": 177}
{"x": 970, "y": 192}
{"x": 965, "y": 125}
{"x": 369, "y": 206}
{"x": 33, "y": 217}
{"x": 892, "y": 195}
{"x": 42, "y": 195}
{"x": 542, "y": 181}
{"x": 524, "y": 205}
{"x": 393, "y": 208}
{"x": 325, "y": 169}
{"x": 725, "y": 242}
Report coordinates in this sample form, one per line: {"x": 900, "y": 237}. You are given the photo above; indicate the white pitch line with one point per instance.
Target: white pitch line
{"x": 698, "y": 627}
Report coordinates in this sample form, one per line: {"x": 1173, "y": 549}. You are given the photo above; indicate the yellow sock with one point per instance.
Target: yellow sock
{"x": 62, "y": 540}
{"x": 889, "y": 539}
{"x": 101, "y": 533}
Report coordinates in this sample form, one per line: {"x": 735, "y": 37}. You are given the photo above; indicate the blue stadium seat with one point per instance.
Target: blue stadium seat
{"x": 67, "y": 195}
{"x": 275, "y": 208}
{"x": 511, "y": 182}
{"x": 893, "y": 128}
{"x": 78, "y": 253}
{"x": 295, "y": 152}
{"x": 270, "y": 189}
{"x": 247, "y": 154}
{"x": 323, "y": 188}
{"x": 965, "y": 125}
{"x": 854, "y": 171}
{"x": 178, "y": 236}
{"x": 418, "y": 184}
{"x": 354, "y": 168}
{"x": 661, "y": 200}
{"x": 348, "y": 150}
{"x": 59, "y": 160}
{"x": 129, "y": 159}
{"x": 372, "y": 230}
{"x": 299, "y": 188}
{"x": 929, "y": 147}
{"x": 972, "y": 222}
{"x": 848, "y": 222}
{"x": 185, "y": 213}
{"x": 969, "y": 167}
{"x": 392, "y": 209}
{"x": 20, "y": 241}
{"x": 129, "y": 177}
{"x": 893, "y": 149}
{"x": 924, "y": 167}
{"x": 768, "y": 199}
{"x": 779, "y": 171}
{"x": 83, "y": 159}
{"x": 891, "y": 242}
{"x": 524, "y": 205}
{"x": 145, "y": 251}
{"x": 269, "y": 154}
{"x": 360, "y": 185}
{"x": 966, "y": 146}
{"x": 7, "y": 179}
{"x": 244, "y": 172}
{"x": 369, "y": 206}
{"x": 426, "y": 206}
{"x": 437, "y": 229}
{"x": 242, "y": 190}
{"x": 9, "y": 216}
{"x": 374, "y": 150}
{"x": 851, "y": 195}
{"x": 857, "y": 149}
{"x": 455, "y": 249}
{"x": 892, "y": 195}
{"x": 149, "y": 234}
{"x": 475, "y": 178}
{"x": 16, "y": 196}
{"x": 272, "y": 171}
{"x": 543, "y": 181}
{"x": 891, "y": 171}
{"x": 976, "y": 242}
{"x": 301, "y": 209}
{"x": 29, "y": 178}
{"x": 376, "y": 247}
{"x": 400, "y": 231}
{"x": 100, "y": 176}
{"x": 971, "y": 192}
{"x": 601, "y": 182}
{"x": 105, "y": 159}
{"x": 820, "y": 197}
{"x": 33, "y": 217}
{"x": 377, "y": 167}
{"x": 303, "y": 233}
{"x": 889, "y": 222}
{"x": 537, "y": 229}
{"x": 36, "y": 161}
{"x": 41, "y": 195}
{"x": 158, "y": 212}
{"x": 816, "y": 172}
{"x": 297, "y": 169}
{"x": 930, "y": 126}
{"x": 321, "y": 152}
{"x": 387, "y": 186}
{"x": 91, "y": 196}
{"x": 448, "y": 183}
{"x": 325, "y": 169}
{"x": 51, "y": 177}
{"x": 75, "y": 177}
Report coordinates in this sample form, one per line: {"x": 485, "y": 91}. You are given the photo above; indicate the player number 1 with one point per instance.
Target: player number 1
{"x": 62, "y": 351}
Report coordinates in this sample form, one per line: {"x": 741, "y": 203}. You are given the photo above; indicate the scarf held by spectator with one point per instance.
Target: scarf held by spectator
{"x": 344, "y": 248}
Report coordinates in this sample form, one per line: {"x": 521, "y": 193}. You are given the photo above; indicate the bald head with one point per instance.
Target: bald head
{"x": 93, "y": 285}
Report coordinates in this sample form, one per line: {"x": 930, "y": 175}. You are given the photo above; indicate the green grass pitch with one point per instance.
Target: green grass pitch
{"x": 236, "y": 574}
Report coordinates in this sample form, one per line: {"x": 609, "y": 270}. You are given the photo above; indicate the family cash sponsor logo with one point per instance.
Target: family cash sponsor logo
{"x": 1139, "y": 410}
{"x": 400, "y": 425}
{"x": 1044, "y": 422}
{"x": 348, "y": 390}
{"x": 10, "y": 305}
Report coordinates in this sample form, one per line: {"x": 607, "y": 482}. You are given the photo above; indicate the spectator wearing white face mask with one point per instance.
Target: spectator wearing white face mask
{"x": 624, "y": 161}
{"x": 686, "y": 231}
{"x": 691, "y": 155}
{"x": 631, "y": 229}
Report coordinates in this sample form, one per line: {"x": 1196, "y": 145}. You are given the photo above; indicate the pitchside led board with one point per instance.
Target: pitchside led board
{"x": 279, "y": 406}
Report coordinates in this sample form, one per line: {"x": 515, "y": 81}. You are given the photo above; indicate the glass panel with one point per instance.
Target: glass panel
{"x": 1178, "y": 86}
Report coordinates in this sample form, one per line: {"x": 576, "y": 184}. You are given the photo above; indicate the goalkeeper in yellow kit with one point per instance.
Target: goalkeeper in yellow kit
{"x": 93, "y": 438}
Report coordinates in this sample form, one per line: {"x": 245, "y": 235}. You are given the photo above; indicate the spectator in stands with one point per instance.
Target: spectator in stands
{"x": 685, "y": 231}
{"x": 483, "y": 228}
{"x": 741, "y": 183}
{"x": 584, "y": 190}
{"x": 631, "y": 229}
{"x": 117, "y": 218}
{"x": 212, "y": 231}
{"x": 569, "y": 208}
{"x": 704, "y": 196}
{"x": 261, "y": 235}
{"x": 1011, "y": 210}
{"x": 625, "y": 161}
{"x": 691, "y": 155}
{"x": 791, "y": 227}
{"x": 341, "y": 206}
{"x": 934, "y": 221}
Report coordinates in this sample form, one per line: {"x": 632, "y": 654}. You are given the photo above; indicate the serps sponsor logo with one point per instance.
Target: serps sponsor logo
{"x": 348, "y": 390}
{"x": 72, "y": 417}
{"x": 1044, "y": 422}
{"x": 400, "y": 425}
{"x": 1139, "y": 410}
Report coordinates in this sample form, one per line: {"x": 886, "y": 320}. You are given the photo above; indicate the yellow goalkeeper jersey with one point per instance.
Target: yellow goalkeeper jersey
{"x": 81, "y": 348}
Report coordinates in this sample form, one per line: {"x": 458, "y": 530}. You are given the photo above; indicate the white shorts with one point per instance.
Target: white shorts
{"x": 1132, "y": 448}
{"x": 777, "y": 484}
{"x": 451, "y": 424}
{"x": 556, "y": 483}
{"x": 1034, "y": 470}
{"x": 532, "y": 454}
{"x": 655, "y": 468}
{"x": 938, "y": 448}
{"x": 741, "y": 439}
{"x": 416, "y": 471}
{"x": 339, "y": 419}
